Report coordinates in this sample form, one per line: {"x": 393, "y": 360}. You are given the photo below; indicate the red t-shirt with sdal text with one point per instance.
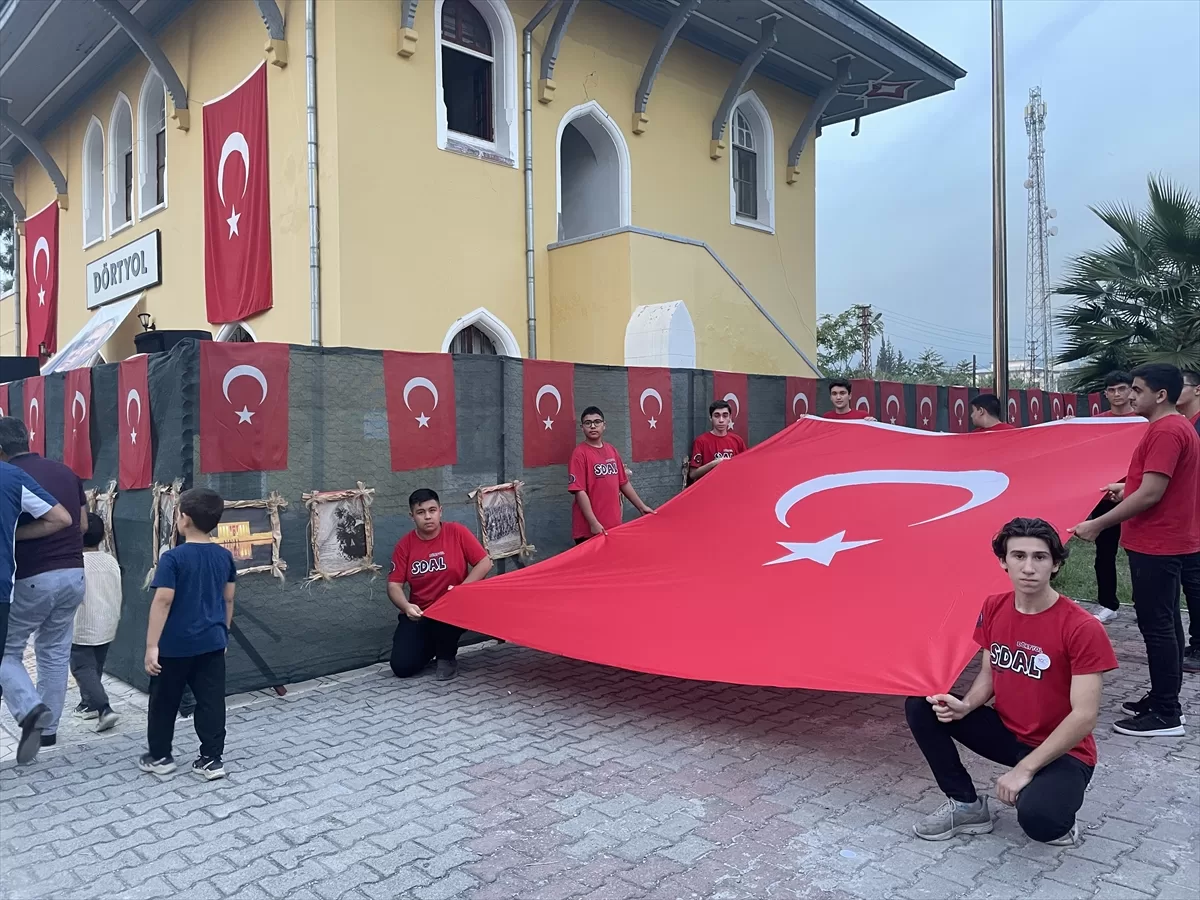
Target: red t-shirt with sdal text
{"x": 1110, "y": 414}
{"x": 848, "y": 414}
{"x": 1171, "y": 527}
{"x": 709, "y": 446}
{"x": 600, "y": 472}
{"x": 1033, "y": 659}
{"x": 432, "y": 567}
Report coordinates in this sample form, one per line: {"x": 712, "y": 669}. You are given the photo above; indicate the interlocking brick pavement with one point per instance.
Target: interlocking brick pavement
{"x": 532, "y": 777}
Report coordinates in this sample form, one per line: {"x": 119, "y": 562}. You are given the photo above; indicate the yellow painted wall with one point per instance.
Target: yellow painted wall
{"x": 591, "y": 288}
{"x": 413, "y": 237}
{"x": 7, "y": 342}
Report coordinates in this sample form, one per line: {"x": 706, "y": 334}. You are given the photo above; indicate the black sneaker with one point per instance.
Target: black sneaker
{"x": 208, "y": 769}
{"x": 1191, "y": 660}
{"x": 1150, "y": 724}
{"x": 35, "y": 722}
{"x": 446, "y": 669}
{"x": 49, "y": 740}
{"x": 1137, "y": 708}
{"x": 164, "y": 766}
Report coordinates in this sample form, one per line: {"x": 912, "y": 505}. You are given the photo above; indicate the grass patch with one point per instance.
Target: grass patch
{"x": 1077, "y": 579}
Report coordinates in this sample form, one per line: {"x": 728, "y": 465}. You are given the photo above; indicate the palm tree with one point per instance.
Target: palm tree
{"x": 1138, "y": 297}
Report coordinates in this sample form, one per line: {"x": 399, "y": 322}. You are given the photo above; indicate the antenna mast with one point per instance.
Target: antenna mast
{"x": 1039, "y": 322}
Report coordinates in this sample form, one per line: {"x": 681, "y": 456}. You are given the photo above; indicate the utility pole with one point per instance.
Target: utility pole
{"x": 864, "y": 322}
{"x": 999, "y": 217}
{"x": 974, "y": 371}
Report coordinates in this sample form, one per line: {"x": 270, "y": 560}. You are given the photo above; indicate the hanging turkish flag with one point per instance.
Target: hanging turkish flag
{"x": 734, "y": 389}
{"x": 651, "y": 431}
{"x": 422, "y": 428}
{"x": 3, "y": 400}
{"x": 134, "y": 451}
{"x": 862, "y": 395}
{"x": 77, "y": 422}
{"x": 33, "y": 394}
{"x": 41, "y": 282}
{"x": 960, "y": 410}
{"x": 1071, "y": 405}
{"x": 1014, "y": 408}
{"x": 927, "y": 396}
{"x": 1036, "y": 406}
{"x": 549, "y": 412}
{"x": 1056, "y": 407}
{"x": 1094, "y": 405}
{"x": 800, "y": 398}
{"x": 892, "y": 393}
{"x": 243, "y": 407}
{"x": 823, "y": 515}
{"x": 237, "y": 204}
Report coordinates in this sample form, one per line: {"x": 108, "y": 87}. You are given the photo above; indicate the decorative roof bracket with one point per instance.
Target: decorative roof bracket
{"x": 740, "y": 77}
{"x": 272, "y": 16}
{"x": 553, "y": 44}
{"x": 812, "y": 119}
{"x": 145, "y": 41}
{"x": 666, "y": 38}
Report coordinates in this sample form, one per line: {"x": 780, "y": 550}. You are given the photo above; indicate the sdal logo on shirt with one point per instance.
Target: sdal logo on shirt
{"x": 1031, "y": 662}
{"x": 427, "y": 566}
{"x": 723, "y": 454}
{"x": 604, "y": 468}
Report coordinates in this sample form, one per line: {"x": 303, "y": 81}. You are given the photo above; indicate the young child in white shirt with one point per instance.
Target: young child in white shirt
{"x": 95, "y": 627}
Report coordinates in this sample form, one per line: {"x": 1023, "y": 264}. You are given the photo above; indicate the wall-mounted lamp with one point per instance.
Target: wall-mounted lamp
{"x": 147, "y": 321}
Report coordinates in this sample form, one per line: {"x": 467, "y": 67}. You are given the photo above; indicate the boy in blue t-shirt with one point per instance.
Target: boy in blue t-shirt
{"x": 189, "y": 625}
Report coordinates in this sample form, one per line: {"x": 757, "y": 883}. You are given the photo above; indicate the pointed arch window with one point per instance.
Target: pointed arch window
{"x": 152, "y": 144}
{"x": 120, "y": 165}
{"x": 93, "y": 183}
{"x": 752, "y": 162}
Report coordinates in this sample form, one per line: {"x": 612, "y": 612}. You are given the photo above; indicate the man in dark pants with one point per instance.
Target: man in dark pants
{"x": 1043, "y": 659}
{"x": 1161, "y": 533}
{"x": 1189, "y": 405}
{"x": 1118, "y": 387}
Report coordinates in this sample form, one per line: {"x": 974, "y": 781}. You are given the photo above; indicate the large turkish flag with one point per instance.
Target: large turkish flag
{"x": 651, "y": 431}
{"x": 1094, "y": 404}
{"x": 41, "y": 282}
{"x": 237, "y": 202}
{"x": 1035, "y": 401}
{"x": 134, "y": 434}
{"x": 927, "y": 411}
{"x": 33, "y": 394}
{"x": 801, "y": 397}
{"x": 77, "y": 422}
{"x": 734, "y": 389}
{"x": 422, "y": 428}
{"x": 814, "y": 590}
{"x": 243, "y": 407}
{"x": 892, "y": 403}
{"x": 548, "y": 412}
{"x": 960, "y": 410}
{"x": 863, "y": 395}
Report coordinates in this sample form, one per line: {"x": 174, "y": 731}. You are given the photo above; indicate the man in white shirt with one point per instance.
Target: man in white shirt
{"x": 95, "y": 627}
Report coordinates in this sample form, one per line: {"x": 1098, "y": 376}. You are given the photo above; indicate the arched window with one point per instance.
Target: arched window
{"x": 752, "y": 162}
{"x": 236, "y": 333}
{"x": 477, "y": 79}
{"x": 593, "y": 173}
{"x": 152, "y": 144}
{"x": 480, "y": 331}
{"x": 120, "y": 165}
{"x": 93, "y": 183}
{"x": 472, "y": 340}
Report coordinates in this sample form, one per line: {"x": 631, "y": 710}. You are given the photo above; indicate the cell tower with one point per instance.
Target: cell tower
{"x": 1039, "y": 323}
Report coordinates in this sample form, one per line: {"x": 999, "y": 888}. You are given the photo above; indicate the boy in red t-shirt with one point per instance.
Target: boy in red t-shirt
{"x": 1043, "y": 659}
{"x": 1160, "y": 531}
{"x": 717, "y": 445}
{"x": 840, "y": 395}
{"x": 988, "y": 415}
{"x": 596, "y": 478}
{"x": 432, "y": 560}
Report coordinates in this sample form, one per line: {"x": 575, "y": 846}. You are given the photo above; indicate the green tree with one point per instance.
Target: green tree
{"x": 6, "y": 246}
{"x": 1138, "y": 298}
{"x": 839, "y": 343}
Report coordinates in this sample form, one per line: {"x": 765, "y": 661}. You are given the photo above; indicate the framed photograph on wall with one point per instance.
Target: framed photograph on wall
{"x": 502, "y": 520}
{"x": 249, "y": 530}
{"x": 101, "y": 503}
{"x": 341, "y": 533}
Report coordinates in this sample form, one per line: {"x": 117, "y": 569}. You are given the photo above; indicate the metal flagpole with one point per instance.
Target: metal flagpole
{"x": 999, "y": 218}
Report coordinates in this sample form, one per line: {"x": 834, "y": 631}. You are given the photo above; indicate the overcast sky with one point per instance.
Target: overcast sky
{"x": 904, "y": 209}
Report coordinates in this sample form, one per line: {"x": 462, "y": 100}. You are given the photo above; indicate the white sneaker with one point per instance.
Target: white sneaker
{"x": 1070, "y": 839}
{"x": 1106, "y": 615}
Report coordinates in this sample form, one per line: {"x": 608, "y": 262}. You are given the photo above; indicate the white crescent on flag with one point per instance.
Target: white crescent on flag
{"x": 42, "y": 247}
{"x": 82, "y": 404}
{"x": 863, "y": 403}
{"x": 417, "y": 382}
{"x": 800, "y": 396}
{"x": 651, "y": 392}
{"x": 250, "y": 371}
{"x": 553, "y": 392}
{"x": 892, "y": 398}
{"x": 732, "y": 399}
{"x": 134, "y": 397}
{"x": 959, "y": 409}
{"x": 1036, "y": 406}
{"x": 235, "y": 143}
{"x": 1013, "y": 414}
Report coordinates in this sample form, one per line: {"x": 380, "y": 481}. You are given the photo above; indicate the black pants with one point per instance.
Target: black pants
{"x": 1045, "y": 808}
{"x": 1191, "y": 592}
{"x": 3, "y": 632}
{"x": 205, "y": 675}
{"x": 1108, "y": 543}
{"x": 87, "y": 665}
{"x": 1156, "y": 585}
{"x": 415, "y": 643}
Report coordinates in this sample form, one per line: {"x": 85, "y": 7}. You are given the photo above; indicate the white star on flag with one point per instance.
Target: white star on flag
{"x": 41, "y": 296}
{"x": 133, "y": 437}
{"x": 653, "y": 422}
{"x": 422, "y": 421}
{"x": 244, "y": 415}
{"x": 232, "y": 221}
{"x": 822, "y": 552}
{"x": 549, "y": 423}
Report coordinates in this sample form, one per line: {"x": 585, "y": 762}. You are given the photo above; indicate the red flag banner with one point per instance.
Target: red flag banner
{"x": 77, "y": 422}
{"x": 134, "y": 451}
{"x": 734, "y": 389}
{"x": 237, "y": 204}
{"x": 4, "y": 400}
{"x": 1094, "y": 406}
{"x": 960, "y": 410}
{"x": 801, "y": 398}
{"x": 1057, "y": 411}
{"x": 243, "y": 407}
{"x": 41, "y": 282}
{"x": 422, "y": 424}
{"x": 1036, "y": 401}
{"x": 651, "y": 431}
{"x": 1070, "y": 405}
{"x": 826, "y": 511}
{"x": 33, "y": 393}
{"x": 927, "y": 396}
{"x": 549, "y": 412}
{"x": 892, "y": 402}
{"x": 862, "y": 395}
{"x": 1014, "y": 408}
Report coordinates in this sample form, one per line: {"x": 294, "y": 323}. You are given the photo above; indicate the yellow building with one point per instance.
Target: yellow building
{"x": 667, "y": 219}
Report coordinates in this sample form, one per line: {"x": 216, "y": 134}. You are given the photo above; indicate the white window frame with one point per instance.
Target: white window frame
{"x": 147, "y": 200}
{"x": 94, "y": 132}
{"x": 226, "y": 331}
{"x": 596, "y": 112}
{"x": 116, "y": 174}
{"x": 759, "y": 121}
{"x": 504, "y": 149}
{"x": 491, "y": 325}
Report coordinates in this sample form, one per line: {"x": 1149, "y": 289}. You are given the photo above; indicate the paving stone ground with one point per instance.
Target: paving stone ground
{"x": 532, "y": 777}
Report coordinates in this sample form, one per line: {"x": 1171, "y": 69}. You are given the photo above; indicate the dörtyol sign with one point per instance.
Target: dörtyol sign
{"x": 125, "y": 271}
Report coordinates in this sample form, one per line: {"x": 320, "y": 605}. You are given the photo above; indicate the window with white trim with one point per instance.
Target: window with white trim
{"x": 93, "y": 183}
{"x": 152, "y": 144}
{"x": 751, "y": 165}
{"x": 120, "y": 164}
{"x": 473, "y": 340}
{"x": 477, "y": 79}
